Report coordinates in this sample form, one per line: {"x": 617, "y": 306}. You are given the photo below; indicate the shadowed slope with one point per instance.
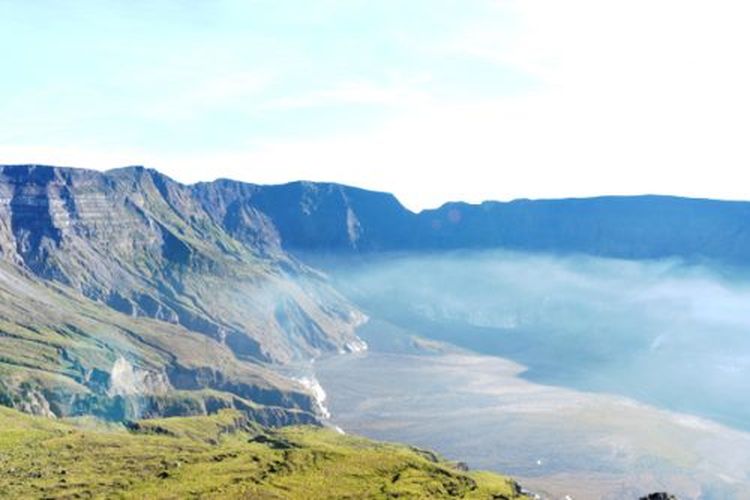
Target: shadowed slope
{"x": 321, "y": 217}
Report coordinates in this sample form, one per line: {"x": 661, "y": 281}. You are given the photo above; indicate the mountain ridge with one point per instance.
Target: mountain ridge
{"x": 638, "y": 227}
{"x": 331, "y": 217}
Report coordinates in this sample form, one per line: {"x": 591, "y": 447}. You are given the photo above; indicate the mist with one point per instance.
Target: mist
{"x": 667, "y": 333}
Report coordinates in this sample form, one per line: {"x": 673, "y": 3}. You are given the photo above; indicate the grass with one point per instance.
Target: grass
{"x": 220, "y": 456}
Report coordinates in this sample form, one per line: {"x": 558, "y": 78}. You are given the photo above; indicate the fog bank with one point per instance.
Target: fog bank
{"x": 661, "y": 332}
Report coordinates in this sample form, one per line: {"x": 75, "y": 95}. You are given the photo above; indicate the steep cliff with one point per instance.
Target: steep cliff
{"x": 313, "y": 216}
{"x": 331, "y": 218}
{"x": 128, "y": 267}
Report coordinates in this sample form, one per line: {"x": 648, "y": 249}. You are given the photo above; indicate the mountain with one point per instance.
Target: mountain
{"x": 313, "y": 217}
{"x": 127, "y": 294}
{"x": 123, "y": 297}
{"x": 631, "y": 227}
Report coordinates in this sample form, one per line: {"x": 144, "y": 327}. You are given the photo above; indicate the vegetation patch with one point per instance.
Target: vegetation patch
{"x": 220, "y": 456}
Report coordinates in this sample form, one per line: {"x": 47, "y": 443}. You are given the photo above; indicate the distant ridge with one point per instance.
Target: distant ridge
{"x": 336, "y": 218}
{"x": 330, "y": 217}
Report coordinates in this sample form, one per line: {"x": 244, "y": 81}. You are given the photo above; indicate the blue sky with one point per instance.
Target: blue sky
{"x": 434, "y": 100}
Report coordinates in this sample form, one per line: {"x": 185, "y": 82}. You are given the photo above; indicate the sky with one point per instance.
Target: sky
{"x": 433, "y": 100}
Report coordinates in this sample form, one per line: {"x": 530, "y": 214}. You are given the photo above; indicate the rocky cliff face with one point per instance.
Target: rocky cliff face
{"x": 140, "y": 243}
{"x": 313, "y": 216}
{"x": 334, "y": 218}
{"x": 128, "y": 246}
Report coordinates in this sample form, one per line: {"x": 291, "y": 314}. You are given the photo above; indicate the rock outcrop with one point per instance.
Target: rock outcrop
{"x": 659, "y": 496}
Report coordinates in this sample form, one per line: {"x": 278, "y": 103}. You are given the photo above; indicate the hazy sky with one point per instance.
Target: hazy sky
{"x": 431, "y": 99}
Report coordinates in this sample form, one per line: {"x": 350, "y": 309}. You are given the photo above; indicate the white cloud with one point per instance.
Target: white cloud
{"x": 358, "y": 92}
{"x": 635, "y": 96}
{"x": 191, "y": 97}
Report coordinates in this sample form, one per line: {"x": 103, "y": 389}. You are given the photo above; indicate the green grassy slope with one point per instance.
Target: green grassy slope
{"x": 221, "y": 456}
